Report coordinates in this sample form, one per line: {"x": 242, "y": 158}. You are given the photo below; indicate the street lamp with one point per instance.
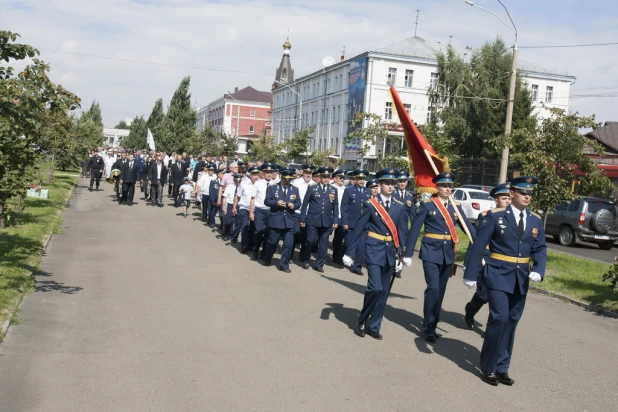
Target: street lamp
{"x": 300, "y": 102}
{"x": 509, "y": 106}
{"x": 237, "y": 111}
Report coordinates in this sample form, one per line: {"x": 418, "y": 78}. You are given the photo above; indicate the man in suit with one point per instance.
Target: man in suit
{"x": 119, "y": 164}
{"x": 128, "y": 176}
{"x": 171, "y": 161}
{"x": 319, "y": 213}
{"x": 354, "y": 197}
{"x": 283, "y": 200}
{"x": 157, "y": 177}
{"x": 384, "y": 220}
{"x": 514, "y": 236}
{"x": 178, "y": 176}
{"x": 437, "y": 252}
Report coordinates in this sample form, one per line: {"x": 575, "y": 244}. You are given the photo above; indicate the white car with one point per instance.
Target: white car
{"x": 473, "y": 201}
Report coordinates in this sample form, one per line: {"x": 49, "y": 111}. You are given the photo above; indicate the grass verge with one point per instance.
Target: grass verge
{"x": 21, "y": 244}
{"x": 567, "y": 275}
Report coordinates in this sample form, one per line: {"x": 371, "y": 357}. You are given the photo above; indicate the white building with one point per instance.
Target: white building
{"x": 331, "y": 96}
{"x": 113, "y": 137}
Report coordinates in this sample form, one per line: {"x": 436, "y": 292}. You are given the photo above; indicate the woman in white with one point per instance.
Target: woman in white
{"x": 110, "y": 159}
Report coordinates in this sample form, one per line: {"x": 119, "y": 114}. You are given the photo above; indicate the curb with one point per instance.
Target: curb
{"x": 7, "y": 323}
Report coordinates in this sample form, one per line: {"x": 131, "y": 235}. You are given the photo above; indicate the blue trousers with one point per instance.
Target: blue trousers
{"x": 339, "y": 245}
{"x": 212, "y": 213}
{"x": 288, "y": 246}
{"x": 205, "y": 203}
{"x": 505, "y": 310}
{"x": 436, "y": 278}
{"x": 261, "y": 228}
{"x": 478, "y": 300}
{"x": 229, "y": 220}
{"x": 376, "y": 294}
{"x": 359, "y": 258}
{"x": 319, "y": 236}
{"x": 242, "y": 226}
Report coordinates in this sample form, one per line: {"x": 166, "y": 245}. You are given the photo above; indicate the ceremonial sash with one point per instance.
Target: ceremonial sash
{"x": 386, "y": 219}
{"x": 447, "y": 219}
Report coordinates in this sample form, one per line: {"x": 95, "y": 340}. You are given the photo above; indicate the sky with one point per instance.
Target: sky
{"x": 227, "y": 44}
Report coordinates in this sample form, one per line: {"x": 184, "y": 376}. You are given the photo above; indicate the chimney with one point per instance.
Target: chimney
{"x": 235, "y": 89}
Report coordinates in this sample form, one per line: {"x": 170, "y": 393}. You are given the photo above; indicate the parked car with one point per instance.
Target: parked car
{"x": 478, "y": 187}
{"x": 588, "y": 218}
{"x": 473, "y": 201}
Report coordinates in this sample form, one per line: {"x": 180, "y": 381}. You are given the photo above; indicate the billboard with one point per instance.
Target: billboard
{"x": 356, "y": 98}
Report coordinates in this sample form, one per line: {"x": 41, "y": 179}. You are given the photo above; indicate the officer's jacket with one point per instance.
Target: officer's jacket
{"x": 408, "y": 202}
{"x": 501, "y": 233}
{"x": 354, "y": 198}
{"x": 96, "y": 162}
{"x": 320, "y": 206}
{"x": 213, "y": 190}
{"x": 479, "y": 222}
{"x": 379, "y": 252}
{"x": 282, "y": 218}
{"x": 438, "y": 251}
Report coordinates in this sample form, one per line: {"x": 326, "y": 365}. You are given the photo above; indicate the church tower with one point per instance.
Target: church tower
{"x": 285, "y": 74}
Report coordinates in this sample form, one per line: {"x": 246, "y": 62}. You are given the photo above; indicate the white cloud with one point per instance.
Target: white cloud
{"x": 247, "y": 36}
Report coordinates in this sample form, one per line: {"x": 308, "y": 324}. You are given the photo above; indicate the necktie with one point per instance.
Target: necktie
{"x": 285, "y": 192}
{"x": 521, "y": 223}
{"x": 446, "y": 205}
{"x": 130, "y": 165}
{"x": 387, "y": 205}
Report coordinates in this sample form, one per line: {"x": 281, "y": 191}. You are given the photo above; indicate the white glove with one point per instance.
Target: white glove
{"x": 398, "y": 266}
{"x": 407, "y": 262}
{"x": 347, "y": 260}
{"x": 535, "y": 277}
{"x": 469, "y": 283}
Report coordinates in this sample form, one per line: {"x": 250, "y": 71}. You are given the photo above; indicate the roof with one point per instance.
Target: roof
{"x": 606, "y": 135}
{"x": 249, "y": 94}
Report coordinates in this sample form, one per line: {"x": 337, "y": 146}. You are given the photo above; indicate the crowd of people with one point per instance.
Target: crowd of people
{"x": 375, "y": 223}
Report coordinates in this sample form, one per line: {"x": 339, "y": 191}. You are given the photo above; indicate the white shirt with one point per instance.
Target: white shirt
{"x": 384, "y": 199}
{"x": 302, "y": 190}
{"x": 228, "y": 193}
{"x": 166, "y": 160}
{"x": 340, "y": 190}
{"x": 260, "y": 188}
{"x": 516, "y": 213}
{"x": 159, "y": 167}
{"x": 246, "y": 191}
{"x": 204, "y": 182}
{"x": 187, "y": 189}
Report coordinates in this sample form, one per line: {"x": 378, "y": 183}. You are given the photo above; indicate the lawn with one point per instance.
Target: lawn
{"x": 567, "y": 275}
{"x": 21, "y": 243}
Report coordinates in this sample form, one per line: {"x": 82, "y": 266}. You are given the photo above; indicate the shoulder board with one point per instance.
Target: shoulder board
{"x": 312, "y": 184}
{"x": 427, "y": 200}
{"x": 485, "y": 213}
{"x": 397, "y": 201}
{"x": 537, "y": 215}
{"x": 457, "y": 204}
{"x": 499, "y": 209}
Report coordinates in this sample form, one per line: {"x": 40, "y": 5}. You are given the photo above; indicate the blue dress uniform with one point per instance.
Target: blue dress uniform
{"x": 213, "y": 195}
{"x": 436, "y": 253}
{"x": 380, "y": 256}
{"x": 406, "y": 196}
{"x": 506, "y": 275}
{"x": 480, "y": 296}
{"x": 354, "y": 197}
{"x": 282, "y": 220}
{"x": 339, "y": 237}
{"x": 261, "y": 212}
{"x": 319, "y": 214}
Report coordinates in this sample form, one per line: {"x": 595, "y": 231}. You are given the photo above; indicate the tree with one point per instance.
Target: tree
{"x": 122, "y": 125}
{"x": 552, "y": 153}
{"x": 229, "y": 145}
{"x": 24, "y": 99}
{"x": 179, "y": 123}
{"x": 137, "y": 138}
{"x": 297, "y": 147}
{"x": 204, "y": 141}
{"x": 469, "y": 100}
{"x": 94, "y": 114}
{"x": 89, "y": 135}
{"x": 58, "y": 140}
{"x": 264, "y": 148}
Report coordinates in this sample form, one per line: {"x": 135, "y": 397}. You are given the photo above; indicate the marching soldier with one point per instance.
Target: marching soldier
{"x": 319, "y": 215}
{"x": 406, "y": 196}
{"x": 302, "y": 183}
{"x": 437, "y": 252}
{"x": 338, "y": 244}
{"x": 384, "y": 221}
{"x": 261, "y": 210}
{"x": 514, "y": 236}
{"x": 213, "y": 199}
{"x": 354, "y": 197}
{"x": 227, "y": 203}
{"x": 95, "y": 165}
{"x": 374, "y": 186}
{"x": 502, "y": 197}
{"x": 283, "y": 200}
{"x": 243, "y": 211}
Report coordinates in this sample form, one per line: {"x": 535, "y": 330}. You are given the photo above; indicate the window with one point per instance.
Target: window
{"x": 392, "y": 75}
{"x": 250, "y": 129}
{"x": 433, "y": 82}
{"x": 252, "y": 113}
{"x": 408, "y": 108}
{"x": 458, "y": 195}
{"x": 388, "y": 112}
{"x": 549, "y": 94}
{"x": 430, "y": 114}
{"x": 534, "y": 92}
{"x": 409, "y": 76}
{"x": 318, "y": 89}
{"x": 284, "y": 73}
{"x": 326, "y": 119}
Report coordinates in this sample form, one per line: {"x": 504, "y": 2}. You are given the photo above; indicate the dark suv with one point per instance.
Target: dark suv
{"x": 588, "y": 218}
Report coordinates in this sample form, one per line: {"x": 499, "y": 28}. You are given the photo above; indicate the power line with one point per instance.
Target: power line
{"x": 569, "y": 45}
{"x": 155, "y": 63}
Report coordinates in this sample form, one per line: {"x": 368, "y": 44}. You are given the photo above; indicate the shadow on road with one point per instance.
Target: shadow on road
{"x": 53, "y": 286}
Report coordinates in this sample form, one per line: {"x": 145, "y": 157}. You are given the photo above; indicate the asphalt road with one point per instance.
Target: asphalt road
{"x": 138, "y": 309}
{"x": 584, "y": 250}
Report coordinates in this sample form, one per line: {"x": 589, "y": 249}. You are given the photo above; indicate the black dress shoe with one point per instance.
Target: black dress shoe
{"x": 469, "y": 321}
{"x": 359, "y": 272}
{"x": 489, "y": 377}
{"x": 284, "y": 270}
{"x": 375, "y": 335}
{"x": 505, "y": 379}
{"x": 437, "y": 335}
{"x": 430, "y": 337}
{"x": 243, "y": 251}
{"x": 317, "y": 269}
{"x": 234, "y": 240}
{"x": 360, "y": 329}
{"x": 305, "y": 265}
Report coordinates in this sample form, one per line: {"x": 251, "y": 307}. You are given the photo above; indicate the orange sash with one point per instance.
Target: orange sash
{"x": 386, "y": 219}
{"x": 447, "y": 219}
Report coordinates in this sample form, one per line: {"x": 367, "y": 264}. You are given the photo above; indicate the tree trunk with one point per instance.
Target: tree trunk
{"x": 2, "y": 222}
{"x": 18, "y": 207}
{"x": 50, "y": 178}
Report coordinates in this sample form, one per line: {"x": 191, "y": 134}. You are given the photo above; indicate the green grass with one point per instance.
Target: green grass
{"x": 576, "y": 278}
{"x": 21, "y": 242}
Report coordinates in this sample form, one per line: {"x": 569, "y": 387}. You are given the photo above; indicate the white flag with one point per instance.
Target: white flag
{"x": 150, "y": 140}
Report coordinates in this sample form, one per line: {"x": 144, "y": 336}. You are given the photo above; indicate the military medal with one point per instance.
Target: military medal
{"x": 500, "y": 221}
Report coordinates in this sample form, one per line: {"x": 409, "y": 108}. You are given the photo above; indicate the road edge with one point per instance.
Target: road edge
{"x": 4, "y": 329}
